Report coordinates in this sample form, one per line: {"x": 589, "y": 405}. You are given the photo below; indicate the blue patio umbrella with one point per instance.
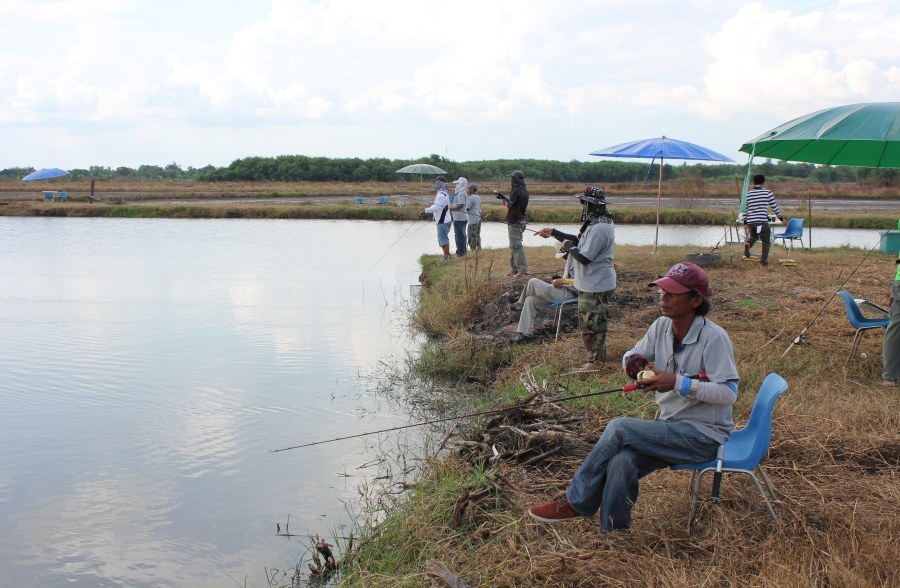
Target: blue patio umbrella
{"x": 45, "y": 174}
{"x": 662, "y": 148}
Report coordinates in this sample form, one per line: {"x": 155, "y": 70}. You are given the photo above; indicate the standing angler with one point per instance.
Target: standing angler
{"x": 473, "y": 210}
{"x": 440, "y": 211}
{"x": 516, "y": 205}
{"x": 595, "y": 273}
{"x": 460, "y": 216}
{"x": 756, "y": 219}
{"x": 891, "y": 350}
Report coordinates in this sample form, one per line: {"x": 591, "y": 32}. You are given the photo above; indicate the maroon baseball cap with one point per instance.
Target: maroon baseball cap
{"x": 684, "y": 277}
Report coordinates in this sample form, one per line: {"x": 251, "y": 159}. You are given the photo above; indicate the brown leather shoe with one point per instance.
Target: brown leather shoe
{"x": 556, "y": 511}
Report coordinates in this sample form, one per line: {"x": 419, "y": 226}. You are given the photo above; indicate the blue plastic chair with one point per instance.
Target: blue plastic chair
{"x": 793, "y": 231}
{"x": 382, "y": 200}
{"x": 746, "y": 448}
{"x": 359, "y": 200}
{"x": 62, "y": 197}
{"x": 859, "y": 321}
{"x": 48, "y": 196}
{"x": 558, "y": 306}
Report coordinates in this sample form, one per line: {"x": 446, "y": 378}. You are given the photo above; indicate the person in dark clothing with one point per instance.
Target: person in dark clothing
{"x": 516, "y": 205}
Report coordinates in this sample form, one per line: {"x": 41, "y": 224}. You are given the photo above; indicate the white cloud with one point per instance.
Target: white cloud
{"x": 784, "y": 62}
{"x": 100, "y": 69}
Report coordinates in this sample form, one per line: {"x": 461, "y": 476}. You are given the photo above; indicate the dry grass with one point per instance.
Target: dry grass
{"x": 834, "y": 459}
{"x": 691, "y": 187}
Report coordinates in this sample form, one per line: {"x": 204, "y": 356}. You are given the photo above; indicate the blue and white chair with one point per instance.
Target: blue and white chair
{"x": 62, "y": 197}
{"x": 792, "y": 232}
{"x": 859, "y": 321}
{"x": 744, "y": 450}
{"x": 558, "y": 306}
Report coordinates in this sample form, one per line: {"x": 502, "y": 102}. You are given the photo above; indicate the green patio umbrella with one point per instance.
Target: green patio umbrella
{"x": 421, "y": 169}
{"x": 858, "y": 135}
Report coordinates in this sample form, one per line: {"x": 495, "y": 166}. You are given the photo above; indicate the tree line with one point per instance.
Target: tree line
{"x": 292, "y": 168}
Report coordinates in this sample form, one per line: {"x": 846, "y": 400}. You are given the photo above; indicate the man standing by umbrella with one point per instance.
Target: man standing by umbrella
{"x": 440, "y": 211}
{"x": 756, "y": 219}
{"x": 516, "y": 205}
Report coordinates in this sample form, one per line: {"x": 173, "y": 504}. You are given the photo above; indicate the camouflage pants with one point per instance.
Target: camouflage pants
{"x": 593, "y": 310}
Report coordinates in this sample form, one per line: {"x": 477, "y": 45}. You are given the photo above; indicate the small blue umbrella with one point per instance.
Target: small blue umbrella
{"x": 663, "y": 148}
{"x": 45, "y": 174}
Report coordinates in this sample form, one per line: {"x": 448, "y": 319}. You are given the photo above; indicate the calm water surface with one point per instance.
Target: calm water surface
{"x": 149, "y": 367}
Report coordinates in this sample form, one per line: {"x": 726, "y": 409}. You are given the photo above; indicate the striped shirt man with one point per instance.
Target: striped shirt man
{"x": 759, "y": 200}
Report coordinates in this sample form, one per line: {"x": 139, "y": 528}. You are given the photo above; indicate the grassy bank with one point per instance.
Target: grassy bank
{"x": 834, "y": 459}
{"x": 687, "y": 188}
{"x": 492, "y": 213}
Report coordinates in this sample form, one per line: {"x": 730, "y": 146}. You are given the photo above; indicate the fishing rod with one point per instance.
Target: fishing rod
{"x": 626, "y": 388}
{"x": 799, "y": 337}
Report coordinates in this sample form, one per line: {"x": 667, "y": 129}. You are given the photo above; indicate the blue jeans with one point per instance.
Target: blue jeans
{"x": 628, "y": 450}
{"x": 443, "y": 232}
{"x": 459, "y": 233}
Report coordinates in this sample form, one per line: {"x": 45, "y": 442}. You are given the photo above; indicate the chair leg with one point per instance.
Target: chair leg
{"x": 559, "y": 320}
{"x": 763, "y": 494}
{"x": 765, "y": 480}
{"x": 695, "y": 498}
{"x": 855, "y": 345}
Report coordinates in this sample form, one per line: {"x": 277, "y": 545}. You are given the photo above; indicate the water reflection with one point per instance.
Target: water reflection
{"x": 149, "y": 367}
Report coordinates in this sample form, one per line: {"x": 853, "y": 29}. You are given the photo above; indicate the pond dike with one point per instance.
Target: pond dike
{"x": 833, "y": 461}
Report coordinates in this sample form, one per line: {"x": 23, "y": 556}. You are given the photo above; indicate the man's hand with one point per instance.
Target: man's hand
{"x": 557, "y": 283}
{"x": 545, "y": 233}
{"x": 661, "y": 382}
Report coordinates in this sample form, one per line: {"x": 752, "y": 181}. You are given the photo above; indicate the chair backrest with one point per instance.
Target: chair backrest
{"x": 854, "y": 314}
{"x": 63, "y": 195}
{"x": 794, "y": 228}
{"x": 382, "y": 200}
{"x": 359, "y": 200}
{"x": 759, "y": 427}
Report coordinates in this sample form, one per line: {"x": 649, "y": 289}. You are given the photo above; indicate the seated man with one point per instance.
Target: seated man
{"x": 696, "y": 382}
{"x": 538, "y": 295}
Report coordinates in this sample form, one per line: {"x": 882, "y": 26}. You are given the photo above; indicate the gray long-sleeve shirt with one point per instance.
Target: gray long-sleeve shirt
{"x": 473, "y": 208}
{"x": 706, "y": 348}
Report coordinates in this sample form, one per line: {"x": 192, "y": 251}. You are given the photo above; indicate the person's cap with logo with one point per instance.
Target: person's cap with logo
{"x": 683, "y": 277}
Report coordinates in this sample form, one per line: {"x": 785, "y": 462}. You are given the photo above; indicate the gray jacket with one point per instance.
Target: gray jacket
{"x": 458, "y": 206}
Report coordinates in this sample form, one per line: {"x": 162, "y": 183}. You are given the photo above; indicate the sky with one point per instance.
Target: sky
{"x": 196, "y": 82}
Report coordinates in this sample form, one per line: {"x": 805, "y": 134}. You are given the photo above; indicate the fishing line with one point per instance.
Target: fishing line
{"x": 402, "y": 235}
{"x": 824, "y": 306}
{"x": 626, "y": 388}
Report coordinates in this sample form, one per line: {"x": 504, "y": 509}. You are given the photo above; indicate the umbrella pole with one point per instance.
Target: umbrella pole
{"x": 658, "y": 200}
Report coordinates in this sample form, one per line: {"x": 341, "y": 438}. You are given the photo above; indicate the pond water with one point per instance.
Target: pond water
{"x": 148, "y": 368}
